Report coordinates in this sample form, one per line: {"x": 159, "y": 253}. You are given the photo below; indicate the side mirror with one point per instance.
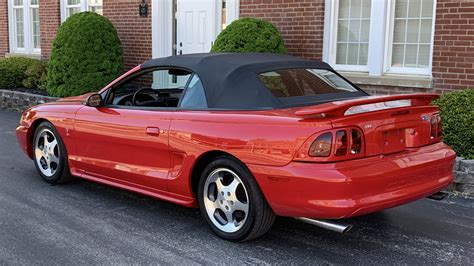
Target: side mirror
{"x": 94, "y": 100}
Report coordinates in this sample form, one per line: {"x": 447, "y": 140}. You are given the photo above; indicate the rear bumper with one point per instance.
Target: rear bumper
{"x": 356, "y": 187}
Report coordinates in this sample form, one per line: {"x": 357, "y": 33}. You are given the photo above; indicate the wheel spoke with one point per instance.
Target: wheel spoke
{"x": 45, "y": 140}
{"x": 53, "y": 144}
{"x": 54, "y": 159}
{"x": 39, "y": 153}
{"x": 233, "y": 186}
{"x": 219, "y": 185}
{"x": 228, "y": 216}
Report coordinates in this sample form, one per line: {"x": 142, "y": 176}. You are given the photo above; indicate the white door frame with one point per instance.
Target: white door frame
{"x": 162, "y": 24}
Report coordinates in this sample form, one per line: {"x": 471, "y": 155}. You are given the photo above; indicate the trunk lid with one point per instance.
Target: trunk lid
{"x": 390, "y": 124}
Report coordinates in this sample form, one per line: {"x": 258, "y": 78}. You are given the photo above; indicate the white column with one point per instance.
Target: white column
{"x": 377, "y": 37}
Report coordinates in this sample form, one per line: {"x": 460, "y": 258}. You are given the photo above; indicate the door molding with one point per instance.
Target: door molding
{"x": 162, "y": 24}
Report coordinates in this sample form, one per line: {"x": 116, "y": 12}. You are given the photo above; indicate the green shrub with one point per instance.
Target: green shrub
{"x": 13, "y": 71}
{"x": 457, "y": 114}
{"x": 36, "y": 76}
{"x": 86, "y": 55}
{"x": 249, "y": 35}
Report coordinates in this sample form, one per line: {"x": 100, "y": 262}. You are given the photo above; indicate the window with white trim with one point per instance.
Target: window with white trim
{"x": 24, "y": 26}
{"x": 71, "y": 7}
{"x": 380, "y": 37}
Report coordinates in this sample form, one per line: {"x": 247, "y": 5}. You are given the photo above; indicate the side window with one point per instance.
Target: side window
{"x": 194, "y": 96}
{"x": 151, "y": 89}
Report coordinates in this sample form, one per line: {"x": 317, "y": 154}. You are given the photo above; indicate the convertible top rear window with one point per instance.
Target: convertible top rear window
{"x": 307, "y": 86}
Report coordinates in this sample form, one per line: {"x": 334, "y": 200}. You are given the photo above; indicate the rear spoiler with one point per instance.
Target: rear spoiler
{"x": 339, "y": 108}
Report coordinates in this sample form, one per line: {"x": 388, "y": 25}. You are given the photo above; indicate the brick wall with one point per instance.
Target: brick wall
{"x": 4, "y": 48}
{"x": 50, "y": 19}
{"x": 453, "y": 53}
{"x": 301, "y": 23}
{"x": 134, "y": 31}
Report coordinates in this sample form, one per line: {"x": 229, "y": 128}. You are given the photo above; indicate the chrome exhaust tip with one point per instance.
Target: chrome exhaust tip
{"x": 327, "y": 224}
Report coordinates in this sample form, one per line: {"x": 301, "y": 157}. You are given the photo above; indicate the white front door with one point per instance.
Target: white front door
{"x": 196, "y": 26}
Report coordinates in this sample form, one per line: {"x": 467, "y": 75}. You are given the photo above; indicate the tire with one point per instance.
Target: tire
{"x": 228, "y": 191}
{"x": 50, "y": 155}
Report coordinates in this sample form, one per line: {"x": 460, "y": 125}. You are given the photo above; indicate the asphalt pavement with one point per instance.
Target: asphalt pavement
{"x": 88, "y": 223}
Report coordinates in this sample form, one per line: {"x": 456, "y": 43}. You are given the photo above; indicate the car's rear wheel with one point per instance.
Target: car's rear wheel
{"x": 231, "y": 201}
{"x": 50, "y": 155}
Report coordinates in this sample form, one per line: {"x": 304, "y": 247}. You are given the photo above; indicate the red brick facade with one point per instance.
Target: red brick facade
{"x": 50, "y": 19}
{"x": 453, "y": 55}
{"x": 4, "y": 47}
{"x": 134, "y": 31}
{"x": 301, "y": 23}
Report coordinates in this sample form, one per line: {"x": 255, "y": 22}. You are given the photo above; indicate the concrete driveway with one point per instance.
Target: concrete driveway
{"x": 88, "y": 223}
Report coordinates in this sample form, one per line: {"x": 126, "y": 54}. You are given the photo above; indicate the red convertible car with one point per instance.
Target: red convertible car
{"x": 245, "y": 137}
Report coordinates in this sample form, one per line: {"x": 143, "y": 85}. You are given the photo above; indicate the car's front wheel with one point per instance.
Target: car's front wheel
{"x": 50, "y": 154}
{"x": 231, "y": 201}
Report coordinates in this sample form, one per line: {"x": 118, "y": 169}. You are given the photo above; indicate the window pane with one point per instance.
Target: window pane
{"x": 96, "y": 9}
{"x": 18, "y": 2}
{"x": 363, "y": 53}
{"x": 353, "y": 54}
{"x": 304, "y": 82}
{"x": 355, "y": 9}
{"x": 35, "y": 27}
{"x": 73, "y": 2}
{"x": 341, "y": 53}
{"x": 344, "y": 8}
{"x": 34, "y": 2}
{"x": 19, "y": 30}
{"x": 342, "y": 29}
{"x": 427, "y": 8}
{"x": 397, "y": 55}
{"x": 399, "y": 31}
{"x": 415, "y": 9}
{"x": 151, "y": 94}
{"x": 365, "y": 11}
{"x": 412, "y": 32}
{"x": 72, "y": 10}
{"x": 410, "y": 55}
{"x": 353, "y": 31}
{"x": 425, "y": 31}
{"x": 424, "y": 56}
{"x": 401, "y": 8}
{"x": 194, "y": 96}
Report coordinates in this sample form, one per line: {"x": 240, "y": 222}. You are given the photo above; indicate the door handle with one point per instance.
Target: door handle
{"x": 153, "y": 131}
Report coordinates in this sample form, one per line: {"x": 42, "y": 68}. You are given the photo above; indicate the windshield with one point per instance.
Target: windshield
{"x": 308, "y": 86}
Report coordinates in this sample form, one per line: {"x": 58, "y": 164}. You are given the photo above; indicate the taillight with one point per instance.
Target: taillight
{"x": 435, "y": 126}
{"x": 356, "y": 141}
{"x": 341, "y": 143}
{"x": 335, "y": 145}
{"x": 321, "y": 147}
{"x": 440, "y": 128}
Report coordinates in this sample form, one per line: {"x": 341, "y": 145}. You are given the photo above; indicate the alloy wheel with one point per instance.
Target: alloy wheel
{"x": 47, "y": 152}
{"x": 226, "y": 200}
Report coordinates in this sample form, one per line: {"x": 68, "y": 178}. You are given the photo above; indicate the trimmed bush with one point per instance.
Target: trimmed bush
{"x": 249, "y": 35}
{"x": 12, "y": 71}
{"x": 36, "y": 76}
{"x": 457, "y": 114}
{"x": 86, "y": 55}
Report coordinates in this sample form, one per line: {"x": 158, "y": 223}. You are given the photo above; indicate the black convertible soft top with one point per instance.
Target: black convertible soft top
{"x": 231, "y": 80}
